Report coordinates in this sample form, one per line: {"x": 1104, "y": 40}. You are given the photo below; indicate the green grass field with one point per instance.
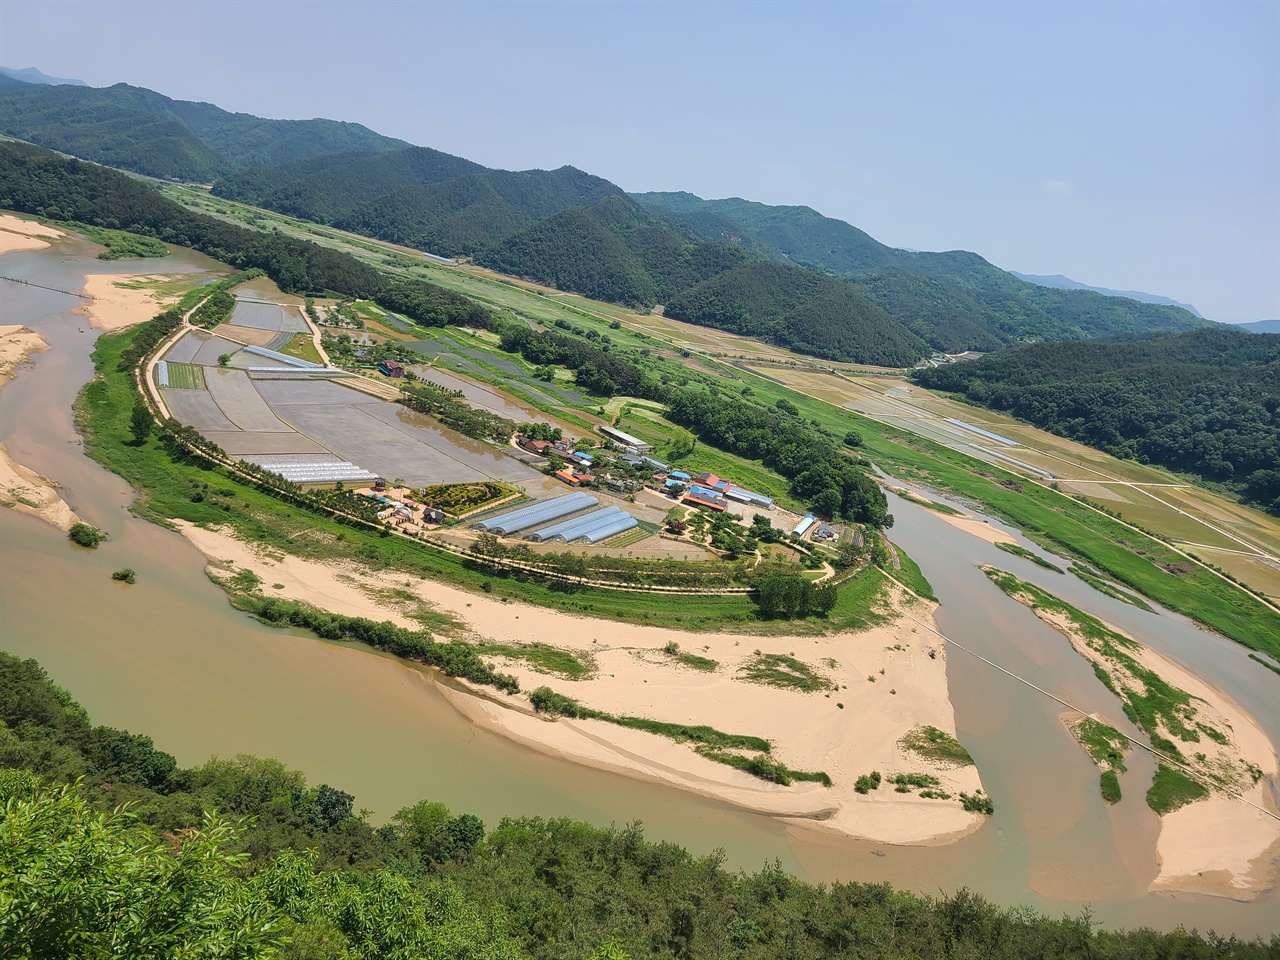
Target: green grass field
{"x": 302, "y": 347}
{"x": 186, "y": 376}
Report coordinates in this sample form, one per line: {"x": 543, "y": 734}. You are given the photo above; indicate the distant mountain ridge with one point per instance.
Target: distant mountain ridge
{"x": 1260, "y": 326}
{"x": 32, "y": 75}
{"x": 786, "y": 274}
{"x": 140, "y": 130}
{"x": 1059, "y": 282}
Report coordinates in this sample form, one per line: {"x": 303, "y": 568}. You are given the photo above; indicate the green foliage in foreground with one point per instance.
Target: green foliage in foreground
{"x": 1018, "y": 550}
{"x": 429, "y": 883}
{"x": 85, "y": 535}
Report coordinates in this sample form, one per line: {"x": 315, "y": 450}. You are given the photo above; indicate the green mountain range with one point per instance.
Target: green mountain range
{"x": 140, "y": 130}
{"x": 784, "y": 274}
{"x": 954, "y": 300}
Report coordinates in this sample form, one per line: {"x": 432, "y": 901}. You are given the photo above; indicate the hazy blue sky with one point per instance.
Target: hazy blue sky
{"x": 1131, "y": 145}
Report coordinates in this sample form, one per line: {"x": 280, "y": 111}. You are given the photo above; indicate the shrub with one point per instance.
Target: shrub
{"x": 125, "y": 575}
{"x": 868, "y": 782}
{"x": 1110, "y": 785}
{"x": 85, "y": 535}
{"x": 978, "y": 802}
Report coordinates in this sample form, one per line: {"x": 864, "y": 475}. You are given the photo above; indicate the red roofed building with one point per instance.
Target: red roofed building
{"x": 573, "y": 479}
{"x": 697, "y": 501}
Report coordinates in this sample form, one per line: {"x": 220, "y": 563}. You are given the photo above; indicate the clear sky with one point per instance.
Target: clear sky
{"x": 1126, "y": 145}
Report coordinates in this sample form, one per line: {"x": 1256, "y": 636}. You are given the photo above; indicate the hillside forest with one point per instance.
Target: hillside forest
{"x": 1206, "y": 403}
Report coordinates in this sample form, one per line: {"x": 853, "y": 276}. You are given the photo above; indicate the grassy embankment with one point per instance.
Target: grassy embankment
{"x": 1168, "y": 715}
{"x": 174, "y": 486}
{"x": 1091, "y": 577}
{"x": 909, "y": 573}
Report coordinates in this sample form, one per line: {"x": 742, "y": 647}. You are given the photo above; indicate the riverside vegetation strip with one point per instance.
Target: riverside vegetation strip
{"x": 708, "y": 742}
{"x": 1182, "y": 728}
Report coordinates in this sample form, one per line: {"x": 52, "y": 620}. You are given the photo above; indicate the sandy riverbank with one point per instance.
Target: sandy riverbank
{"x": 635, "y": 677}
{"x": 22, "y": 489}
{"x": 978, "y": 528}
{"x": 17, "y": 234}
{"x": 1227, "y": 844}
{"x": 121, "y": 300}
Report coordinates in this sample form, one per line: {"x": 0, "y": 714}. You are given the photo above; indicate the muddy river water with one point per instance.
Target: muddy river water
{"x": 169, "y": 657}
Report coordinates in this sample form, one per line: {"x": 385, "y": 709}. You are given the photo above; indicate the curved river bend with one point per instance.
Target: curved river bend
{"x": 169, "y": 657}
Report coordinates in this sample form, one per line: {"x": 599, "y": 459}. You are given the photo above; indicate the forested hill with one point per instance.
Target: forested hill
{"x": 954, "y": 301}
{"x": 140, "y": 130}
{"x": 579, "y": 232}
{"x": 289, "y": 867}
{"x": 1205, "y": 402}
{"x": 574, "y": 231}
{"x": 39, "y": 181}
{"x": 417, "y": 197}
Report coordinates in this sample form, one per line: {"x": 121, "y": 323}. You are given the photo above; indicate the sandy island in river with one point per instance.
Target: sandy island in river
{"x": 1226, "y": 844}
{"x": 17, "y": 234}
{"x": 635, "y": 677}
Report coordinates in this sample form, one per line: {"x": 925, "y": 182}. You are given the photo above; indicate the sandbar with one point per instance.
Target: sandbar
{"x": 1227, "y": 843}
{"x": 115, "y": 307}
{"x": 846, "y": 732}
{"x": 22, "y": 489}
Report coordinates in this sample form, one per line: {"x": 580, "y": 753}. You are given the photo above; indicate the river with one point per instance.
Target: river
{"x": 169, "y": 657}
